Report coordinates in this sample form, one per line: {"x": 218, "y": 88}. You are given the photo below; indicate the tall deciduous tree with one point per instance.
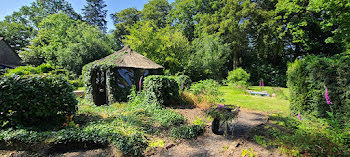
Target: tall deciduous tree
{"x": 166, "y": 46}
{"x": 122, "y": 20}
{"x": 22, "y": 25}
{"x": 66, "y": 43}
{"x": 157, "y": 11}
{"x": 210, "y": 58}
{"x": 95, "y": 14}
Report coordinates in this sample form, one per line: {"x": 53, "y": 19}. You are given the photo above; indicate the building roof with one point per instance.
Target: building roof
{"x": 7, "y": 56}
{"x": 126, "y": 57}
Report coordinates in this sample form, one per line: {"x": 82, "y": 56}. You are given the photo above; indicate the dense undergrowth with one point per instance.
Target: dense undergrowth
{"x": 127, "y": 126}
{"x": 304, "y": 136}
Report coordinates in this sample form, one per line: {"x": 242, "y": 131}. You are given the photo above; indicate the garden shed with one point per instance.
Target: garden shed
{"x": 110, "y": 79}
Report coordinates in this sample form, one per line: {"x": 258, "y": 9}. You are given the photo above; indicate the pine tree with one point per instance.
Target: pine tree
{"x": 95, "y": 14}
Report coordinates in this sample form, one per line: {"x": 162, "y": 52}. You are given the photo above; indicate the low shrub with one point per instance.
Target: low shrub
{"x": 145, "y": 101}
{"x": 187, "y": 132}
{"x": 35, "y": 100}
{"x": 165, "y": 89}
{"x": 126, "y": 138}
{"x": 238, "y": 77}
{"x": 207, "y": 89}
{"x": 311, "y": 79}
{"x": 166, "y": 117}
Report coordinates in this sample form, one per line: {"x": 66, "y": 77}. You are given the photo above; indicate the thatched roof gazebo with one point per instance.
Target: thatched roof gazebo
{"x": 8, "y": 58}
{"x": 110, "y": 79}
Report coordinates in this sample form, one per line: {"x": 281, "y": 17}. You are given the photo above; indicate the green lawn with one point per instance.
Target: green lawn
{"x": 236, "y": 96}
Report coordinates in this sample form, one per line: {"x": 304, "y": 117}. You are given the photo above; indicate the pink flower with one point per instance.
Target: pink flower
{"x": 326, "y": 96}
{"x": 140, "y": 82}
{"x": 221, "y": 106}
{"x": 299, "y": 116}
{"x": 260, "y": 83}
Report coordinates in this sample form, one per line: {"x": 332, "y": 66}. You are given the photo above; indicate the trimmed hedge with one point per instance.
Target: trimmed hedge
{"x": 35, "y": 100}
{"x": 165, "y": 89}
{"x": 308, "y": 78}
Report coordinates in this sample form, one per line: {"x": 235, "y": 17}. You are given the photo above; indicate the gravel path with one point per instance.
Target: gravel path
{"x": 210, "y": 144}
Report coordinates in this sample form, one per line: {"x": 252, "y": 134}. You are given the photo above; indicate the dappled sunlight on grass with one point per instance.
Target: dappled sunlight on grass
{"x": 236, "y": 96}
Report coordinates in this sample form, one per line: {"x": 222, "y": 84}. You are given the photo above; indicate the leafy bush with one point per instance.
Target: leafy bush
{"x": 165, "y": 89}
{"x": 145, "y": 101}
{"x": 123, "y": 136}
{"x": 26, "y": 70}
{"x": 308, "y": 79}
{"x": 238, "y": 77}
{"x": 187, "y": 132}
{"x": 35, "y": 100}
{"x": 207, "y": 89}
{"x": 183, "y": 81}
{"x": 166, "y": 117}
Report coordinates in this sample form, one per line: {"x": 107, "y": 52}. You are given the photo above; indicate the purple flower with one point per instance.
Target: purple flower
{"x": 221, "y": 106}
{"x": 260, "y": 83}
{"x": 326, "y": 96}
{"x": 140, "y": 83}
{"x": 299, "y": 116}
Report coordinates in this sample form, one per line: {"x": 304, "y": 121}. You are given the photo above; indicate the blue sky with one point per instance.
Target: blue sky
{"x": 8, "y": 6}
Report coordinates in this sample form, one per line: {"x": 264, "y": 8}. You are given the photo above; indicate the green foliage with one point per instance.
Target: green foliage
{"x": 165, "y": 88}
{"x": 31, "y": 100}
{"x": 122, "y": 20}
{"x": 66, "y": 43}
{"x": 209, "y": 60}
{"x": 165, "y": 46}
{"x": 222, "y": 113}
{"x": 22, "y": 25}
{"x": 95, "y": 14}
{"x": 238, "y": 77}
{"x": 187, "y": 132}
{"x": 183, "y": 81}
{"x": 309, "y": 136}
{"x": 157, "y": 12}
{"x": 26, "y": 70}
{"x": 126, "y": 138}
{"x": 146, "y": 101}
{"x": 207, "y": 89}
{"x": 307, "y": 80}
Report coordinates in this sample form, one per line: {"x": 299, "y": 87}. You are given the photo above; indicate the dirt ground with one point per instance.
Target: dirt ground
{"x": 206, "y": 145}
{"x": 210, "y": 144}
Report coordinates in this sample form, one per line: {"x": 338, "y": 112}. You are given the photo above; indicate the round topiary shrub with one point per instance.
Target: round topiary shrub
{"x": 165, "y": 88}
{"x": 35, "y": 100}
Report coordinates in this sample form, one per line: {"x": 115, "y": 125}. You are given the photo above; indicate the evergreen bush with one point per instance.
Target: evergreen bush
{"x": 35, "y": 100}
{"x": 308, "y": 80}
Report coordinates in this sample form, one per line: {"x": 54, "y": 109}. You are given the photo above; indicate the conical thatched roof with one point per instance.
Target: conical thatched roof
{"x": 126, "y": 57}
